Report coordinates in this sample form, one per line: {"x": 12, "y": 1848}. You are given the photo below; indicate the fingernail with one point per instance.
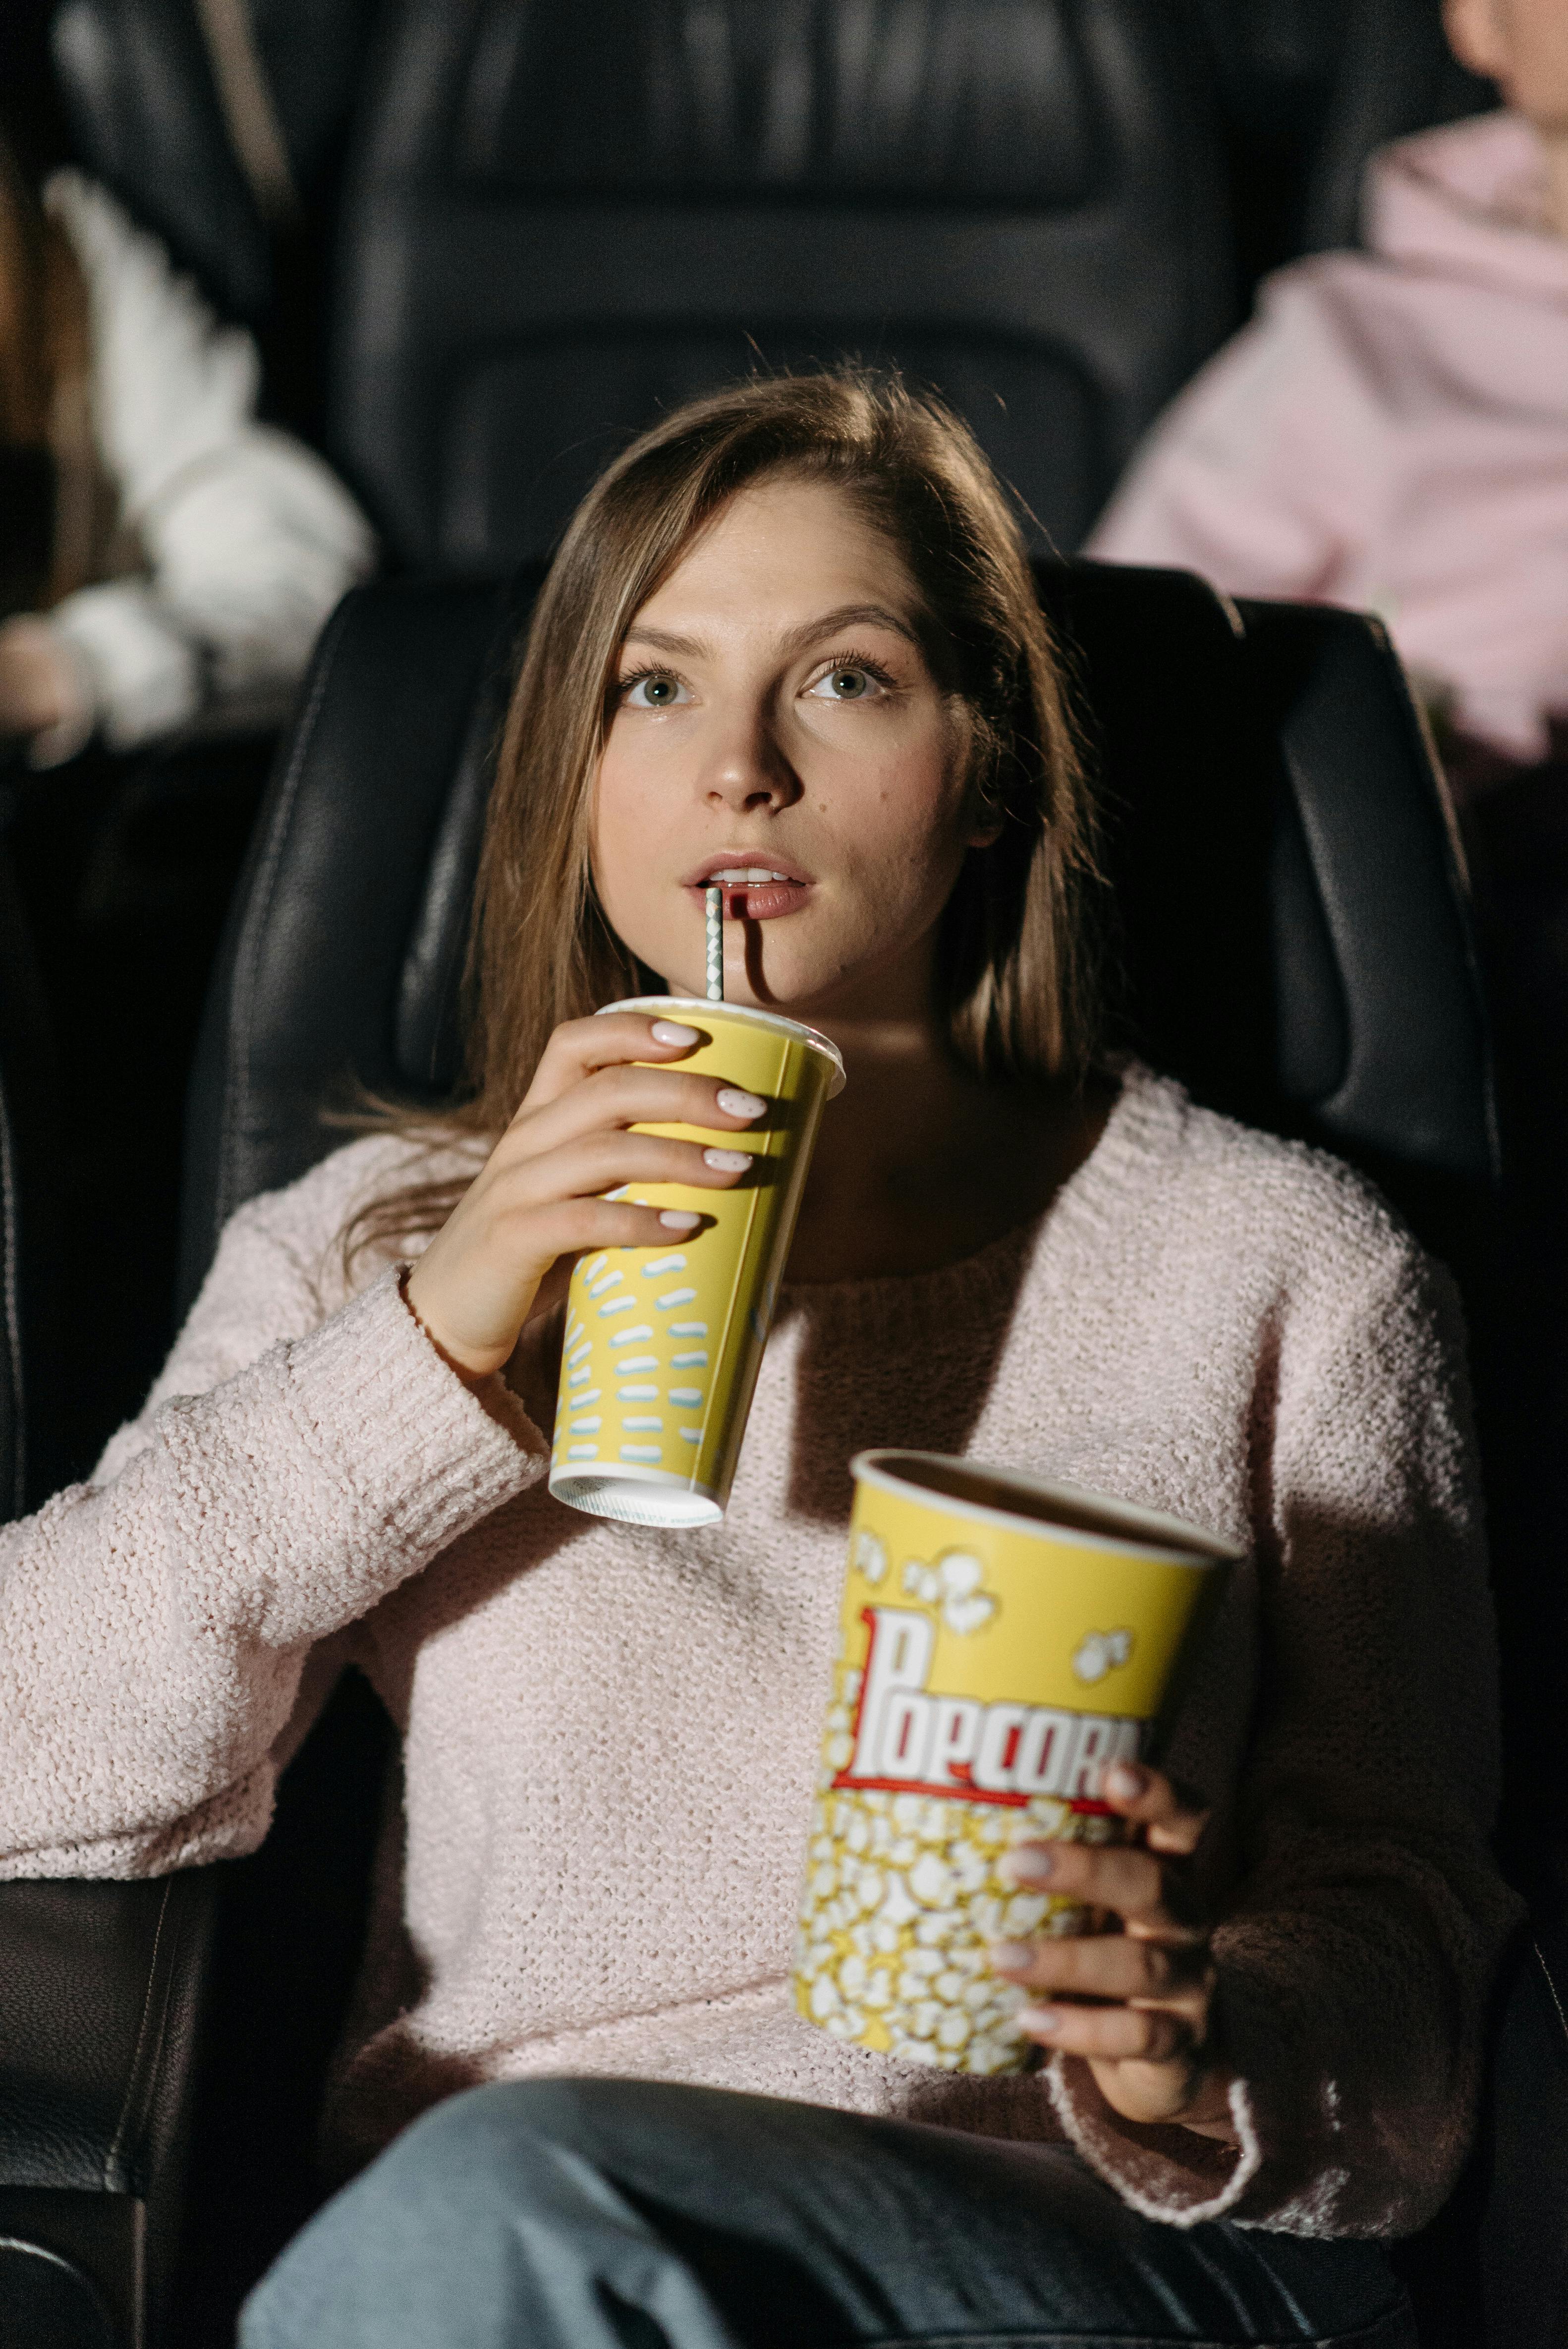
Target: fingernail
{"x": 1028, "y": 1863}
{"x": 673, "y": 1031}
{"x": 678, "y": 1219}
{"x": 728, "y": 1162}
{"x": 1039, "y": 2021}
{"x": 1125, "y": 1782}
{"x": 1011, "y": 1957}
{"x": 734, "y": 1103}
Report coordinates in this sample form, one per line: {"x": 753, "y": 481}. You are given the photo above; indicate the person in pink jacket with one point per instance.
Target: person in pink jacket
{"x": 1390, "y": 432}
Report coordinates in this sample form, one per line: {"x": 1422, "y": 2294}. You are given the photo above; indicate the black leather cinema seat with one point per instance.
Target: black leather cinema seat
{"x": 1293, "y": 931}
{"x": 227, "y": 142}
{"x": 1395, "y": 74}
{"x": 1309, "y": 88}
{"x": 560, "y": 220}
{"x": 147, "y": 118}
{"x": 101, "y": 1985}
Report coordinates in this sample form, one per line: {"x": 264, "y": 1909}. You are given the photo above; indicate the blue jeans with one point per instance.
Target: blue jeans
{"x": 624, "y": 2214}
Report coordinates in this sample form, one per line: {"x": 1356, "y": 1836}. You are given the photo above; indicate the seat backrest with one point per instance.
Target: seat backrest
{"x": 13, "y": 1387}
{"x": 1309, "y": 88}
{"x": 148, "y": 117}
{"x": 559, "y": 222}
{"x": 1276, "y": 63}
{"x": 1396, "y": 75}
{"x": 34, "y": 1443}
{"x": 1294, "y": 937}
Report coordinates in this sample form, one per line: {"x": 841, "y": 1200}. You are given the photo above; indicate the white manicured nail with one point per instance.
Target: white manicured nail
{"x": 734, "y": 1103}
{"x": 728, "y": 1162}
{"x": 673, "y": 1031}
{"x": 678, "y": 1219}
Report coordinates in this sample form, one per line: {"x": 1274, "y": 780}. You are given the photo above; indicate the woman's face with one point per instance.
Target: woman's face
{"x": 776, "y": 732}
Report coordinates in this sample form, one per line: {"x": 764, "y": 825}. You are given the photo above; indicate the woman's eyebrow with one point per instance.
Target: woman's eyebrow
{"x": 848, "y": 615}
{"x": 826, "y": 623}
{"x": 691, "y": 647}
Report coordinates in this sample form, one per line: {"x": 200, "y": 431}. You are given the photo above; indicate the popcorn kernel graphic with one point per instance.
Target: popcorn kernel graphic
{"x": 871, "y": 1558}
{"x": 954, "y": 1584}
{"x": 1098, "y": 1653}
{"x": 885, "y": 1955}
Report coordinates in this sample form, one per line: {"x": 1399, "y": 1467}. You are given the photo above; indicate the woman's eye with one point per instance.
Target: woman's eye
{"x": 655, "y": 691}
{"x": 847, "y": 684}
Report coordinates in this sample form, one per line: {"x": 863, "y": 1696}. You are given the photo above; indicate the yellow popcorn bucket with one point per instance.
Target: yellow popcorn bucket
{"x": 662, "y": 1345}
{"x": 1004, "y": 1639}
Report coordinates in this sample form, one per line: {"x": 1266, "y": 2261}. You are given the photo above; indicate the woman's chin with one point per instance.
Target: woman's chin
{"x": 815, "y": 990}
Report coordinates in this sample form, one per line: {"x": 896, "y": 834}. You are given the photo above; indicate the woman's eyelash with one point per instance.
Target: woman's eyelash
{"x": 856, "y": 660}
{"x": 850, "y": 659}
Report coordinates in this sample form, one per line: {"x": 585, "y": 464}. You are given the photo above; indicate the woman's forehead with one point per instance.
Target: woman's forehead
{"x": 781, "y": 550}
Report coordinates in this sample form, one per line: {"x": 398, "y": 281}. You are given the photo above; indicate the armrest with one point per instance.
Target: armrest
{"x": 102, "y": 1990}
{"x": 1490, "y": 2271}
{"x": 1523, "y": 2231}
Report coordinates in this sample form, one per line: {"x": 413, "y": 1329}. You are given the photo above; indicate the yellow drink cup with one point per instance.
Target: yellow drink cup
{"x": 1002, "y": 1640}
{"x": 662, "y": 1345}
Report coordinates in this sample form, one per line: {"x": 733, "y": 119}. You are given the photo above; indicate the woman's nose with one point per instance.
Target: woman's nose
{"x": 746, "y": 767}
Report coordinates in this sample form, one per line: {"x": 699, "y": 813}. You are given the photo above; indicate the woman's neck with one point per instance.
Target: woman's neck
{"x": 920, "y": 1163}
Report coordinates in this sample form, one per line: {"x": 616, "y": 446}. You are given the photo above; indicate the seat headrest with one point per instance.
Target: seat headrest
{"x": 989, "y": 101}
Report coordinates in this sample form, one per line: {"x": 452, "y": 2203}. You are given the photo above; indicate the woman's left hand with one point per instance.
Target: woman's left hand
{"x": 1133, "y": 2003}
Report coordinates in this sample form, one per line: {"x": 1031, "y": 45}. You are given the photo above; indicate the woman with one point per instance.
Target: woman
{"x": 188, "y": 553}
{"x": 790, "y": 639}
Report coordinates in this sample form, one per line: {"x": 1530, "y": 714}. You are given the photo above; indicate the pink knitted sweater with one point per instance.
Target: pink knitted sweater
{"x": 1391, "y": 433}
{"x": 610, "y": 1735}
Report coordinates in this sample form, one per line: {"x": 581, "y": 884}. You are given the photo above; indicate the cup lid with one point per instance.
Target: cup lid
{"x": 1025, "y": 1503}
{"x": 796, "y": 1030}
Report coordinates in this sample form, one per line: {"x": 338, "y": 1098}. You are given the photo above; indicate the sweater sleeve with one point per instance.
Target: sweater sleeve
{"x": 155, "y": 1623}
{"x": 1262, "y": 474}
{"x": 1356, "y": 1950}
{"x": 249, "y": 539}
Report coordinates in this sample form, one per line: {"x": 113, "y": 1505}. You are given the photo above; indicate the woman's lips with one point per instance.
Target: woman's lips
{"x": 758, "y": 899}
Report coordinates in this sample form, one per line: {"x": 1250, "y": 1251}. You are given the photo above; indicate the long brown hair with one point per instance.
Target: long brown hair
{"x": 1014, "y": 972}
{"x": 44, "y": 362}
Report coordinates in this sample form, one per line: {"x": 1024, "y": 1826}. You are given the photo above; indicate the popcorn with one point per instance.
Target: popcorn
{"x": 893, "y": 1957}
{"x": 931, "y": 1880}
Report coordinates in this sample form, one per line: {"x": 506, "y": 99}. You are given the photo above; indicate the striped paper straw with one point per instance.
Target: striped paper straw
{"x": 714, "y": 899}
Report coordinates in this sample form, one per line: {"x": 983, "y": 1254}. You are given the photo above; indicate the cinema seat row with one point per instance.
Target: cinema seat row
{"x": 524, "y": 229}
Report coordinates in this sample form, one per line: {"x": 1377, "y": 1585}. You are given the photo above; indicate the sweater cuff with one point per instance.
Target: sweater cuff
{"x": 145, "y": 678}
{"x": 1171, "y": 2174}
{"x": 426, "y": 1456}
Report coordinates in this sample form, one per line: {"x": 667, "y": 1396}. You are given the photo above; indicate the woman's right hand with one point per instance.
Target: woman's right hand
{"x": 537, "y": 1200}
